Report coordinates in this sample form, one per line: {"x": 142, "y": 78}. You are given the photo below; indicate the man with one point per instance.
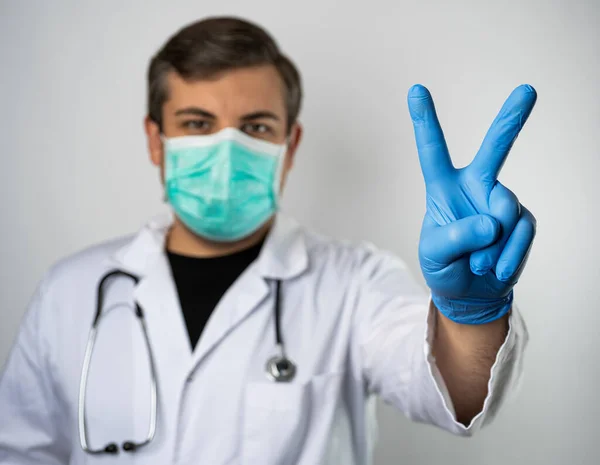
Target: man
{"x": 266, "y": 342}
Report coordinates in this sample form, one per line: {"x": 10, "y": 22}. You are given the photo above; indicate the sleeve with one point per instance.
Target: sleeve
{"x": 29, "y": 429}
{"x": 394, "y": 325}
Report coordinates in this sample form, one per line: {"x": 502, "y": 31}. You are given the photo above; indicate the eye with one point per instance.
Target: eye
{"x": 256, "y": 128}
{"x": 196, "y": 125}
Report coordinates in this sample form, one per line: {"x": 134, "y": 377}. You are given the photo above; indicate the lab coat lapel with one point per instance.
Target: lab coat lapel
{"x": 283, "y": 256}
{"x": 157, "y": 296}
{"x": 245, "y": 295}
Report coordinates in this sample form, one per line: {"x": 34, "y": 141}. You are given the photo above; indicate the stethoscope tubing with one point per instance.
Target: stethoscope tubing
{"x": 128, "y": 446}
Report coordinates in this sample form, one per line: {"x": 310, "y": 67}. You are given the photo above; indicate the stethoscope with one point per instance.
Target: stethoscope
{"x": 278, "y": 368}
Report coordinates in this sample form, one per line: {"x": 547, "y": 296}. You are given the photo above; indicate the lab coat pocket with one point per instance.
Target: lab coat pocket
{"x": 278, "y": 417}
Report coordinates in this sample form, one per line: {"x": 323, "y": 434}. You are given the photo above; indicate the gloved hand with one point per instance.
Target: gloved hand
{"x": 476, "y": 236}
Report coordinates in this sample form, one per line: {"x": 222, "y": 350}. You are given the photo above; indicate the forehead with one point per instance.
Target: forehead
{"x": 240, "y": 91}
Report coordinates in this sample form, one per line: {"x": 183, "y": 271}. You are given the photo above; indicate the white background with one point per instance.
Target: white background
{"x": 74, "y": 169}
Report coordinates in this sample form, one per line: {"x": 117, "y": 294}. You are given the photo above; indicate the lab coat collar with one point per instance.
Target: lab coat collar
{"x": 283, "y": 256}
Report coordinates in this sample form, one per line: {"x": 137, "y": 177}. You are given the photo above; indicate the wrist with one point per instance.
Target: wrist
{"x": 473, "y": 311}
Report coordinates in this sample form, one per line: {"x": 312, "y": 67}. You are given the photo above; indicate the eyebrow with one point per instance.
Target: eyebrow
{"x": 260, "y": 115}
{"x": 195, "y": 111}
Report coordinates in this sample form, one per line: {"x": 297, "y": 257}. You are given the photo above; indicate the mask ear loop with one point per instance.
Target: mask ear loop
{"x": 280, "y": 164}
{"x": 165, "y": 197}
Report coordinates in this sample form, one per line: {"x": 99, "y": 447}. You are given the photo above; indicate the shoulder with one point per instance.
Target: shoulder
{"x": 57, "y": 298}
{"x": 85, "y": 264}
{"x": 362, "y": 269}
{"x": 361, "y": 258}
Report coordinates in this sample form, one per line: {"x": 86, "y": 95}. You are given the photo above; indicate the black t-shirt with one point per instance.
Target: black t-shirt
{"x": 201, "y": 282}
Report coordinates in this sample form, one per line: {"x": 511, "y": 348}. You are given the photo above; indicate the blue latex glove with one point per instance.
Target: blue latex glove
{"x": 476, "y": 236}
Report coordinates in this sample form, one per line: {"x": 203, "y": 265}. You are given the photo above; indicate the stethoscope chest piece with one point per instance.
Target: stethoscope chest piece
{"x": 280, "y": 369}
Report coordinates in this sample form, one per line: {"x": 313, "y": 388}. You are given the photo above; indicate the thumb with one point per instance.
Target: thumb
{"x": 446, "y": 244}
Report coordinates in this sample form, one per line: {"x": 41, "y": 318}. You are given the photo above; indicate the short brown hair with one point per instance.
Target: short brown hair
{"x": 210, "y": 46}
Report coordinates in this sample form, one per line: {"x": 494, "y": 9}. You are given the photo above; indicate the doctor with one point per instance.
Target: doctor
{"x": 229, "y": 334}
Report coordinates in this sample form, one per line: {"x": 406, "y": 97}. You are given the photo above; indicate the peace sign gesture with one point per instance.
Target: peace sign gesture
{"x": 476, "y": 236}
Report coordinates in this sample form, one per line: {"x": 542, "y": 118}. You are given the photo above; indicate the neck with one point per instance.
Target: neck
{"x": 182, "y": 241}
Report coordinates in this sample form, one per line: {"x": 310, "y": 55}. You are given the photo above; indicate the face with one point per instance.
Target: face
{"x": 249, "y": 99}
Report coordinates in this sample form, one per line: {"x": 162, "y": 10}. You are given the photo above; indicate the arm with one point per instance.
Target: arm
{"x": 475, "y": 240}
{"x": 29, "y": 429}
{"x": 465, "y": 354}
{"x": 398, "y": 331}
{"x": 474, "y": 244}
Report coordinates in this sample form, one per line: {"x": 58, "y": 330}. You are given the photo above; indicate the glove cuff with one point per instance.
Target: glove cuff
{"x": 473, "y": 311}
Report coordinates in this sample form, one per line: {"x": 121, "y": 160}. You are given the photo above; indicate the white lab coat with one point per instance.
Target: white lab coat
{"x": 352, "y": 319}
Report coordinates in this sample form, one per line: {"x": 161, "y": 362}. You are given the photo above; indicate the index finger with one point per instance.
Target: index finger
{"x": 431, "y": 145}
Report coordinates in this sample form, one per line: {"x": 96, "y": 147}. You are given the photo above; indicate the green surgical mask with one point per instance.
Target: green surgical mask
{"x": 223, "y": 186}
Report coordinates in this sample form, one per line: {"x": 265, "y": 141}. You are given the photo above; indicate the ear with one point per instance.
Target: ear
{"x": 295, "y": 138}
{"x": 294, "y": 141}
{"x": 154, "y": 141}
